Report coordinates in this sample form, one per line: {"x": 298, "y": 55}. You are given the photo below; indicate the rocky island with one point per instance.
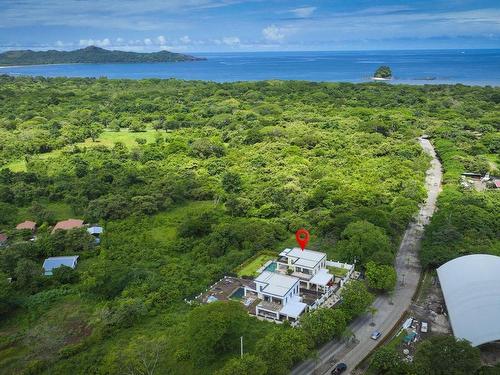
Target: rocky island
{"x": 383, "y": 73}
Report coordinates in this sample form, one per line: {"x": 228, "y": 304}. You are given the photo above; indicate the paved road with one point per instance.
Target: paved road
{"x": 388, "y": 312}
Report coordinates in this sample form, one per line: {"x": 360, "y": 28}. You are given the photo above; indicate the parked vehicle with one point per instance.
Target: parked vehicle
{"x": 424, "y": 327}
{"x": 339, "y": 369}
{"x": 375, "y": 335}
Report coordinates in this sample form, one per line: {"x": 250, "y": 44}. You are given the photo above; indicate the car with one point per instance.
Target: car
{"x": 339, "y": 369}
{"x": 375, "y": 335}
{"x": 424, "y": 327}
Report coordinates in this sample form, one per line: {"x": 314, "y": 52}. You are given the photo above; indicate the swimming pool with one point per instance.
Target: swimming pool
{"x": 238, "y": 293}
{"x": 271, "y": 267}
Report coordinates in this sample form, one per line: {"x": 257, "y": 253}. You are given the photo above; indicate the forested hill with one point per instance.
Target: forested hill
{"x": 89, "y": 55}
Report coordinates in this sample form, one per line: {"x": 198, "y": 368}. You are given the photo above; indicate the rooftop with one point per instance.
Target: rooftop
{"x": 68, "y": 224}
{"x": 293, "y": 308}
{"x": 95, "y": 230}
{"x": 53, "y": 262}
{"x": 471, "y": 289}
{"x": 30, "y": 225}
{"x": 304, "y": 258}
{"x": 322, "y": 277}
{"x": 277, "y": 284}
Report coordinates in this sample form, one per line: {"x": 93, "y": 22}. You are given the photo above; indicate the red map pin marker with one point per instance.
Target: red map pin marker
{"x": 302, "y": 236}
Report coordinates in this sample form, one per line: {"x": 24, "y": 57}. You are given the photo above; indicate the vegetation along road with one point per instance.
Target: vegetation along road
{"x": 389, "y": 308}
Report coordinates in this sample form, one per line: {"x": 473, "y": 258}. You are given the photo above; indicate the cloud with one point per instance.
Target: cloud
{"x": 231, "y": 40}
{"x": 185, "y": 39}
{"x": 148, "y": 42}
{"x": 273, "y": 33}
{"x": 303, "y": 12}
{"x": 106, "y": 42}
{"x": 161, "y": 40}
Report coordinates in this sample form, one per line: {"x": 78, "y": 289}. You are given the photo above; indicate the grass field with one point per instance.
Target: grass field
{"x": 61, "y": 211}
{"x": 251, "y": 268}
{"x": 107, "y": 138}
{"x": 337, "y": 271}
{"x": 163, "y": 225}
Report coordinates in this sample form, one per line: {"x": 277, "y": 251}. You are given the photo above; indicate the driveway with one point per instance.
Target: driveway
{"x": 389, "y": 312}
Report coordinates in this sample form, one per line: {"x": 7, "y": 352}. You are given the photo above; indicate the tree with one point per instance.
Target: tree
{"x": 388, "y": 361}
{"x": 361, "y": 240}
{"x": 215, "y": 329}
{"x": 323, "y": 324}
{"x": 355, "y": 298}
{"x": 383, "y": 72}
{"x": 231, "y": 182}
{"x": 6, "y": 294}
{"x": 249, "y": 364}
{"x": 65, "y": 275}
{"x": 28, "y": 275}
{"x": 442, "y": 355}
{"x": 95, "y": 130}
{"x": 141, "y": 356}
{"x": 282, "y": 348}
{"x": 381, "y": 278}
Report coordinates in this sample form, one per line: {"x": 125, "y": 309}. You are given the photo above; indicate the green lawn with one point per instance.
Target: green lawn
{"x": 337, "y": 271}
{"x": 163, "y": 225}
{"x": 107, "y": 138}
{"x": 251, "y": 268}
{"x": 62, "y": 211}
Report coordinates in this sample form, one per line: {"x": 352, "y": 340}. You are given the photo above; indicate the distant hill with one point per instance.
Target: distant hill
{"x": 89, "y": 55}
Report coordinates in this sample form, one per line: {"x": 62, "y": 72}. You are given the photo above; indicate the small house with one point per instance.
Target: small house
{"x": 3, "y": 239}
{"x": 68, "y": 224}
{"x": 27, "y": 225}
{"x": 54, "y": 262}
{"x": 96, "y": 231}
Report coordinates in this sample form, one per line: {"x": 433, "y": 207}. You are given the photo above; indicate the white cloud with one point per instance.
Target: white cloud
{"x": 303, "y": 12}
{"x": 161, "y": 40}
{"x": 274, "y": 33}
{"x": 59, "y": 44}
{"x": 231, "y": 40}
{"x": 148, "y": 42}
{"x": 185, "y": 39}
{"x": 97, "y": 42}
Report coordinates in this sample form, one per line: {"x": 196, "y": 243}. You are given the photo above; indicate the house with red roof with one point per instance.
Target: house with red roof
{"x": 27, "y": 225}
{"x": 68, "y": 224}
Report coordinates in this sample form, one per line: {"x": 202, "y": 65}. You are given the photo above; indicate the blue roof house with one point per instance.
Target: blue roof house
{"x": 95, "y": 230}
{"x": 54, "y": 262}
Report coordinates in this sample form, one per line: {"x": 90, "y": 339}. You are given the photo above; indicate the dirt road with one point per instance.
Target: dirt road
{"x": 388, "y": 312}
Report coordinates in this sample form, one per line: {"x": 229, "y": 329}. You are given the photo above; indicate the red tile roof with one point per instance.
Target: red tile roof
{"x": 68, "y": 224}
{"x": 31, "y": 225}
{"x": 3, "y": 237}
{"x": 497, "y": 183}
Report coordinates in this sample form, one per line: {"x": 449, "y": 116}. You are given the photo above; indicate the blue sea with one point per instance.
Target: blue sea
{"x": 469, "y": 67}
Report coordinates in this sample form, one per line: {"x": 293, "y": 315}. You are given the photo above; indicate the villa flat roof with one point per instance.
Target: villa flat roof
{"x": 54, "y": 262}
{"x": 277, "y": 284}
{"x": 293, "y": 308}
{"x": 322, "y": 277}
{"x": 304, "y": 258}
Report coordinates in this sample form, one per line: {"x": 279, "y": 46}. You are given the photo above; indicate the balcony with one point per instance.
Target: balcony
{"x": 271, "y": 306}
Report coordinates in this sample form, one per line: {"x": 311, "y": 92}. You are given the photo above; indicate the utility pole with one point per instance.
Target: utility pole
{"x": 241, "y": 346}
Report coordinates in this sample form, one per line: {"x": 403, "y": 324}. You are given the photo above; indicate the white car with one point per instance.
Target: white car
{"x": 424, "y": 328}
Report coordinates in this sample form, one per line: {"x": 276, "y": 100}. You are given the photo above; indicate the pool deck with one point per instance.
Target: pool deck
{"x": 223, "y": 289}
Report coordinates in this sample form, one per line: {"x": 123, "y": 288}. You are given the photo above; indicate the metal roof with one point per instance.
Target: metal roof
{"x": 53, "y": 262}
{"x": 322, "y": 277}
{"x": 277, "y": 284}
{"x": 95, "y": 230}
{"x": 471, "y": 289}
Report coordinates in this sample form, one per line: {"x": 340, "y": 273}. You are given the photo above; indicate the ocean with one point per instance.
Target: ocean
{"x": 469, "y": 67}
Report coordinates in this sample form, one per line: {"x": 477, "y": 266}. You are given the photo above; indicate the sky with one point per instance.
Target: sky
{"x": 249, "y": 25}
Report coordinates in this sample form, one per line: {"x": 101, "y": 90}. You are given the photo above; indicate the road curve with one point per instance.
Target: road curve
{"x": 388, "y": 314}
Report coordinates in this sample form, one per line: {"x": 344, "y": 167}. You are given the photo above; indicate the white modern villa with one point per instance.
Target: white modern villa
{"x": 297, "y": 281}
